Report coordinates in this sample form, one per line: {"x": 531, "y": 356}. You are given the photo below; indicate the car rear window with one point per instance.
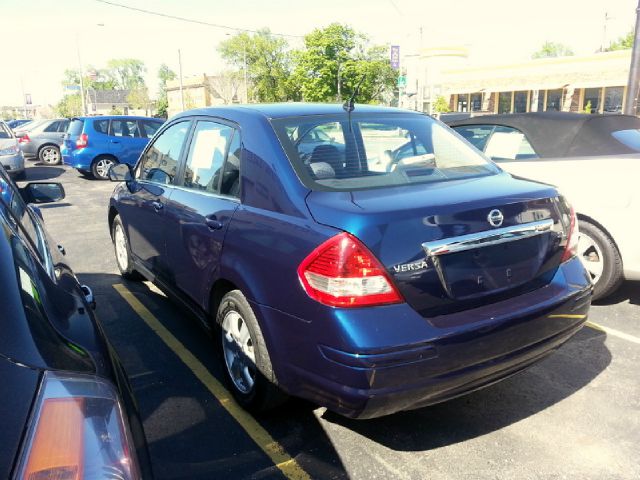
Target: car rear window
{"x": 629, "y": 138}
{"x": 329, "y": 152}
{"x": 75, "y": 127}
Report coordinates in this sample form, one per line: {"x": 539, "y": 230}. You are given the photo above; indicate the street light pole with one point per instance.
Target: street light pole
{"x": 631, "y": 100}
{"x": 84, "y": 100}
{"x": 181, "y": 87}
{"x": 246, "y": 88}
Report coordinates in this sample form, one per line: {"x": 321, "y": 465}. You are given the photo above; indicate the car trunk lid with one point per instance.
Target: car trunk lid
{"x": 439, "y": 244}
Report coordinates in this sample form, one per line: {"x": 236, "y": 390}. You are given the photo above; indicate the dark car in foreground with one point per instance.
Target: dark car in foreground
{"x": 66, "y": 408}
{"x": 398, "y": 270}
{"x": 41, "y": 139}
{"x": 92, "y": 145}
{"x": 594, "y": 160}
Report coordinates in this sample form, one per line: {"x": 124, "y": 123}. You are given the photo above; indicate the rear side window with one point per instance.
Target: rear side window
{"x": 101, "y": 126}
{"x": 149, "y": 127}
{"x": 125, "y": 128}
{"x": 159, "y": 164}
{"x": 230, "y": 183}
{"x": 63, "y": 125}
{"x": 629, "y": 138}
{"x": 207, "y": 153}
{"x": 53, "y": 127}
{"x": 376, "y": 150}
{"x": 498, "y": 142}
{"x": 75, "y": 127}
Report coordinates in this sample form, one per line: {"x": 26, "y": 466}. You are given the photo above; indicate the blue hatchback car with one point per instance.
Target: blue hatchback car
{"x": 93, "y": 144}
{"x": 391, "y": 267}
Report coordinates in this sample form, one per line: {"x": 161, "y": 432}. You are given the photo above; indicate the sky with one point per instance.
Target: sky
{"x": 42, "y": 38}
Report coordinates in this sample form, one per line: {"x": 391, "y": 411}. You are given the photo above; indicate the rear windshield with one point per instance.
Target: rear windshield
{"x": 5, "y": 131}
{"x": 75, "y": 127}
{"x": 376, "y": 150}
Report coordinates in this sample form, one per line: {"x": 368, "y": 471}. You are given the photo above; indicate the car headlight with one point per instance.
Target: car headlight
{"x": 77, "y": 431}
{"x": 10, "y": 151}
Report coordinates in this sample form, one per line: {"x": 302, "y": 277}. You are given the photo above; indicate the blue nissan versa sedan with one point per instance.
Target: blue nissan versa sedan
{"x": 391, "y": 267}
{"x": 66, "y": 408}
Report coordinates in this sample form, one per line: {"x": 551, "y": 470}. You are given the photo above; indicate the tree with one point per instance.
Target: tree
{"x": 165, "y": 74}
{"x": 553, "y": 49}
{"x": 96, "y": 79}
{"x": 622, "y": 43}
{"x": 69, "y": 106}
{"x": 335, "y": 60}
{"x": 441, "y": 105}
{"x": 138, "y": 98}
{"x": 127, "y": 72}
{"x": 226, "y": 85}
{"x": 266, "y": 60}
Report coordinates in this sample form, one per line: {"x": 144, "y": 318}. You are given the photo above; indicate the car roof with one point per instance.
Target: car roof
{"x": 117, "y": 117}
{"x": 561, "y": 134}
{"x": 291, "y": 109}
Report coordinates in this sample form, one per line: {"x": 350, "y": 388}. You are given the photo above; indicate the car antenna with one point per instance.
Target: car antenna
{"x": 349, "y": 104}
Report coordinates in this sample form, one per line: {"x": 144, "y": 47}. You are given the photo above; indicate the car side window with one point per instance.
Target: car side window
{"x": 148, "y": 128}
{"x": 101, "y": 126}
{"x": 124, "y": 128}
{"x": 508, "y": 143}
{"x": 206, "y": 155}
{"x": 160, "y": 162}
{"x": 62, "y": 127}
{"x": 476, "y": 135}
{"x": 230, "y": 183}
{"x": 52, "y": 127}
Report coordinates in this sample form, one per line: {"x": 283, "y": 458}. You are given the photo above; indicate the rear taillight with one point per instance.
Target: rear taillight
{"x": 342, "y": 272}
{"x": 77, "y": 431}
{"x": 24, "y": 139}
{"x": 82, "y": 141}
{"x": 571, "y": 247}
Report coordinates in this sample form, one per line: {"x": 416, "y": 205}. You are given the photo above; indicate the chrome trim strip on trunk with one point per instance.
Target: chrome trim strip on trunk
{"x": 486, "y": 238}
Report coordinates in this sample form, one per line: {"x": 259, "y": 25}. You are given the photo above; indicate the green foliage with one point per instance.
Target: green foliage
{"x": 622, "y": 43}
{"x": 334, "y": 61}
{"x": 553, "y": 49}
{"x": 69, "y": 106}
{"x": 441, "y": 105}
{"x": 116, "y": 111}
{"x": 100, "y": 79}
{"x": 267, "y": 62}
{"x": 127, "y": 72}
{"x": 138, "y": 98}
{"x": 165, "y": 74}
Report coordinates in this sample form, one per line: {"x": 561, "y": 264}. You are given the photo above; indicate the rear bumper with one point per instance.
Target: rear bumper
{"x": 14, "y": 164}
{"x": 79, "y": 159}
{"x": 415, "y": 363}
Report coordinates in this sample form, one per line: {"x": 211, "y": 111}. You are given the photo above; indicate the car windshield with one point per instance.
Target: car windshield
{"x": 5, "y": 132}
{"x": 376, "y": 150}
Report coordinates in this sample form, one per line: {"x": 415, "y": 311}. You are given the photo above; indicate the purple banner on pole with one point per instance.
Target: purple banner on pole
{"x": 395, "y": 57}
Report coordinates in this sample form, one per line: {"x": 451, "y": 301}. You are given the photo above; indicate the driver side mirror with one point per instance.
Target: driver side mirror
{"x": 42, "y": 192}
{"x": 120, "y": 173}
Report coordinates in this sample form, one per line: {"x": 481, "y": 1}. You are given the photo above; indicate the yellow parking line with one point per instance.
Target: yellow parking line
{"x": 613, "y": 332}
{"x": 566, "y": 315}
{"x": 280, "y": 458}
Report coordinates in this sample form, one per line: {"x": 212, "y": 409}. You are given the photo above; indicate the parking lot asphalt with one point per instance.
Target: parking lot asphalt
{"x": 574, "y": 415}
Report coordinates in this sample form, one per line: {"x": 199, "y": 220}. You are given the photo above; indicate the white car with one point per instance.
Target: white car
{"x": 11, "y": 157}
{"x": 594, "y": 160}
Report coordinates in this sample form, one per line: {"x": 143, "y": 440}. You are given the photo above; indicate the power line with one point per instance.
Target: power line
{"x": 192, "y": 20}
{"x": 396, "y": 8}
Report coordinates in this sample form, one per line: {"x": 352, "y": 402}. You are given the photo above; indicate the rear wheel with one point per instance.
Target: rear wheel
{"x": 100, "y": 167}
{"x": 50, "y": 155}
{"x": 123, "y": 251}
{"x": 247, "y": 364}
{"x": 601, "y": 258}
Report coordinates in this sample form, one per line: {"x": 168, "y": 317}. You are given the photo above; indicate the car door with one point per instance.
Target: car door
{"x": 202, "y": 206}
{"x": 126, "y": 141}
{"x": 143, "y": 212}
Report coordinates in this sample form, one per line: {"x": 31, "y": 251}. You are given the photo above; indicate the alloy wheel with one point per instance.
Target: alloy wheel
{"x": 120, "y": 242}
{"x": 50, "y": 156}
{"x": 102, "y": 167}
{"x": 591, "y": 256}
{"x": 239, "y": 355}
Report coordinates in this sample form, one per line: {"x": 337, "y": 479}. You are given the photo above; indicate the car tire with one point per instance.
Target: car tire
{"x": 50, "y": 155}
{"x": 245, "y": 358}
{"x": 600, "y": 256}
{"x": 101, "y": 165}
{"x": 123, "y": 251}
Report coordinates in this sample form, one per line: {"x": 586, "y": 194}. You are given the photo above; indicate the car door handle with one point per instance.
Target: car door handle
{"x": 213, "y": 223}
{"x": 157, "y": 206}
{"x": 115, "y": 141}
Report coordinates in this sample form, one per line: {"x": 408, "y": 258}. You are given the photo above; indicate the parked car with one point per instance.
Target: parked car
{"x": 365, "y": 291}
{"x": 594, "y": 160}
{"x": 93, "y": 144}
{"x": 11, "y": 157}
{"x": 41, "y": 140}
{"x": 67, "y": 409}
{"x": 14, "y": 124}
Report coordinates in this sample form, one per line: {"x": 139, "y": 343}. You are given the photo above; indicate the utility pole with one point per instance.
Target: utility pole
{"x": 181, "y": 87}
{"x": 84, "y": 100}
{"x": 631, "y": 100}
{"x": 246, "y": 88}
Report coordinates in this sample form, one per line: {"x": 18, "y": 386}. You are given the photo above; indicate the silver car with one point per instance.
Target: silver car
{"x": 11, "y": 157}
{"x": 41, "y": 140}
